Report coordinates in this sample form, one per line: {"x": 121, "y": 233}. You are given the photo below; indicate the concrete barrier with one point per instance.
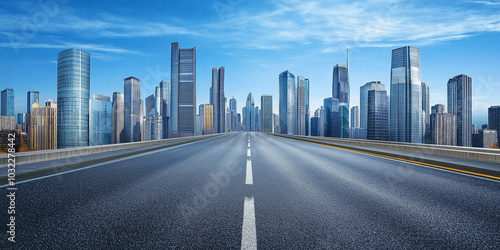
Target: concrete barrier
{"x": 477, "y": 154}
{"x": 55, "y": 154}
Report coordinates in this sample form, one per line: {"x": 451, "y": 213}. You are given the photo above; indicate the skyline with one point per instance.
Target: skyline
{"x": 140, "y": 47}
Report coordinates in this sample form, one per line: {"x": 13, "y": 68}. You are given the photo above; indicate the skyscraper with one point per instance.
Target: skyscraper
{"x": 183, "y": 92}
{"x": 153, "y": 127}
{"x": 218, "y": 99}
{"x": 301, "y": 106}
{"x": 43, "y": 127}
{"x": 341, "y": 91}
{"x": 32, "y": 97}
{"x": 73, "y": 95}
{"x": 315, "y": 126}
{"x": 287, "y": 103}
{"x": 7, "y": 102}
{"x": 460, "y": 104}
{"x": 425, "y": 113}
{"x": 363, "y": 105}
{"x": 257, "y": 114}
{"x": 378, "y": 112}
{"x": 117, "y": 122}
{"x": 233, "y": 115}
{"x": 165, "y": 97}
{"x": 494, "y": 119}
{"x": 308, "y": 115}
{"x": 100, "y": 120}
{"x": 207, "y": 119}
{"x": 150, "y": 103}
{"x": 267, "y": 113}
{"x": 332, "y": 123}
{"x": 355, "y": 117}
{"x": 485, "y": 138}
{"x": 132, "y": 118}
{"x": 249, "y": 114}
{"x": 406, "y": 96}
{"x": 442, "y": 127}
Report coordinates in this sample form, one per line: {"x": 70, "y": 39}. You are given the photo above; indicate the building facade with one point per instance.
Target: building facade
{"x": 494, "y": 119}
{"x": 267, "y": 113}
{"x": 165, "y": 92}
{"x": 183, "y": 91}
{"x": 117, "y": 121}
{"x": 7, "y": 99}
{"x": 442, "y": 127}
{"x": 43, "y": 127}
{"x": 100, "y": 120}
{"x": 207, "y": 118}
{"x": 426, "y": 113}
{"x": 460, "y": 104}
{"x": 132, "y": 107}
{"x": 73, "y": 95}
{"x": 287, "y": 103}
{"x": 378, "y": 112}
{"x": 218, "y": 99}
{"x": 363, "y": 105}
{"x": 153, "y": 127}
{"x": 406, "y": 96}
{"x": 32, "y": 97}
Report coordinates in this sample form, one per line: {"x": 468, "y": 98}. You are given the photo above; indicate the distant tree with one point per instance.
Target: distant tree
{"x": 23, "y": 148}
{"x": 495, "y": 145}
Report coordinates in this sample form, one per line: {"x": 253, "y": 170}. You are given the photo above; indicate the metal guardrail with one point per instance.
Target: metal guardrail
{"x": 55, "y": 154}
{"x": 477, "y": 154}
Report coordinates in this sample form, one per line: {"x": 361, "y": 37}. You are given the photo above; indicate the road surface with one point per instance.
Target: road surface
{"x": 253, "y": 190}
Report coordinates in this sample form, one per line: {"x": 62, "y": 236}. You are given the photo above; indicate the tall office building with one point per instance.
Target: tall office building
{"x": 257, "y": 113}
{"x": 233, "y": 115}
{"x": 307, "y": 83}
{"x": 183, "y": 91}
{"x": 218, "y": 99}
{"x": 150, "y": 103}
{"x": 153, "y": 127}
{"x": 100, "y": 120}
{"x": 442, "y": 127}
{"x": 315, "y": 126}
{"x": 267, "y": 113}
{"x": 363, "y": 105}
{"x": 460, "y": 104}
{"x": 20, "y": 118}
{"x": 494, "y": 119}
{"x": 378, "y": 112}
{"x": 73, "y": 95}
{"x": 117, "y": 121}
{"x": 287, "y": 103}
{"x": 332, "y": 123}
{"x": 32, "y": 97}
{"x": 165, "y": 98}
{"x": 207, "y": 118}
{"x": 425, "y": 113}
{"x": 43, "y": 127}
{"x": 249, "y": 114}
{"x": 321, "y": 116}
{"x": 406, "y": 96}
{"x": 355, "y": 117}
{"x": 301, "y": 106}
{"x": 485, "y": 138}
{"x": 341, "y": 91}
{"x": 7, "y": 102}
{"x": 7, "y": 122}
{"x": 232, "y": 104}
{"x": 132, "y": 104}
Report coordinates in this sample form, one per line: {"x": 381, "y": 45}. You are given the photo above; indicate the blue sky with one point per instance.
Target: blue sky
{"x": 255, "y": 41}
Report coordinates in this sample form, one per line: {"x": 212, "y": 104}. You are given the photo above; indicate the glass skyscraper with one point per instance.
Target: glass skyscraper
{"x": 332, "y": 123}
{"x": 426, "y": 113}
{"x": 73, "y": 95}
{"x": 341, "y": 91}
{"x": 494, "y": 120}
{"x": 218, "y": 99}
{"x": 132, "y": 103}
{"x": 32, "y": 97}
{"x": 460, "y": 104}
{"x": 249, "y": 114}
{"x": 183, "y": 92}
{"x": 287, "y": 102}
{"x": 207, "y": 118}
{"x": 363, "y": 105}
{"x": 100, "y": 120}
{"x": 406, "y": 96}
{"x": 117, "y": 121}
{"x": 355, "y": 117}
{"x": 165, "y": 88}
{"x": 153, "y": 127}
{"x": 378, "y": 113}
{"x": 7, "y": 102}
{"x": 301, "y": 106}
{"x": 308, "y": 122}
{"x": 267, "y": 113}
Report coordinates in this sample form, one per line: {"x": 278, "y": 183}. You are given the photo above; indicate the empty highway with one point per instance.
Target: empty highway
{"x": 253, "y": 190}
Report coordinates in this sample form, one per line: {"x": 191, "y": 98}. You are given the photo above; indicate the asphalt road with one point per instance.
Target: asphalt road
{"x": 226, "y": 192}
